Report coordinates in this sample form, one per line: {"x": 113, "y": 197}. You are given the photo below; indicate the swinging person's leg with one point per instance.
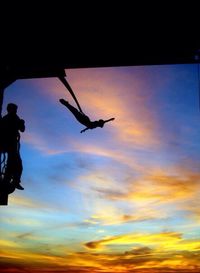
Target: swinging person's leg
{"x": 83, "y": 119}
{"x": 74, "y": 111}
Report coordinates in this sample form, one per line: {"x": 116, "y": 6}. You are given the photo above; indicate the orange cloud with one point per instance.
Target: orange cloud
{"x": 138, "y": 259}
{"x": 131, "y": 239}
{"x": 159, "y": 188}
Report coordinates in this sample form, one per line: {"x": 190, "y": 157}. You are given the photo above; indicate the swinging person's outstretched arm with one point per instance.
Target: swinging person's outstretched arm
{"x": 84, "y": 130}
{"x": 108, "y": 120}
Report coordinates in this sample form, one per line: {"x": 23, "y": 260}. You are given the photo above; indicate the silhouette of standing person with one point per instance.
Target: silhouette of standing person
{"x": 83, "y": 119}
{"x": 11, "y": 124}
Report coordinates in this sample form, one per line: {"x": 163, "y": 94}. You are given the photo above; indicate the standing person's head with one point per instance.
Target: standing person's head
{"x": 12, "y": 108}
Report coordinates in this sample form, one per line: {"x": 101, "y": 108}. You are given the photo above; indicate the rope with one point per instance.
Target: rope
{"x": 3, "y": 163}
{"x": 66, "y": 84}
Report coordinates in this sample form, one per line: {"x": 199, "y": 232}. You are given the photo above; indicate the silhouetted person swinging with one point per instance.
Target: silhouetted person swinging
{"x": 83, "y": 119}
{"x": 11, "y": 124}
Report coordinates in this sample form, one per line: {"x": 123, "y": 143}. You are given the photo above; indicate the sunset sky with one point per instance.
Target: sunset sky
{"x": 120, "y": 199}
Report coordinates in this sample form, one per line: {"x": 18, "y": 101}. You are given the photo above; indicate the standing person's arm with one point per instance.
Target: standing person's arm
{"x": 21, "y": 125}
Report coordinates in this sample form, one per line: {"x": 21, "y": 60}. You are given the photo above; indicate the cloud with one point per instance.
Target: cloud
{"x": 109, "y": 217}
{"x": 131, "y": 239}
{"x": 140, "y": 258}
{"x": 7, "y": 243}
{"x": 157, "y": 187}
{"x": 101, "y": 93}
{"x": 24, "y": 202}
{"x": 157, "y": 195}
{"x": 26, "y": 235}
{"x": 139, "y": 251}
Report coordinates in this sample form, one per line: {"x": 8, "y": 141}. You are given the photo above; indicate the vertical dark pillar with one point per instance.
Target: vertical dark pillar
{"x": 3, "y": 198}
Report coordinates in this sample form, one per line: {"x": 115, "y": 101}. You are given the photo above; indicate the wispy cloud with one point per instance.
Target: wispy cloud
{"x": 158, "y": 187}
{"x": 131, "y": 239}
